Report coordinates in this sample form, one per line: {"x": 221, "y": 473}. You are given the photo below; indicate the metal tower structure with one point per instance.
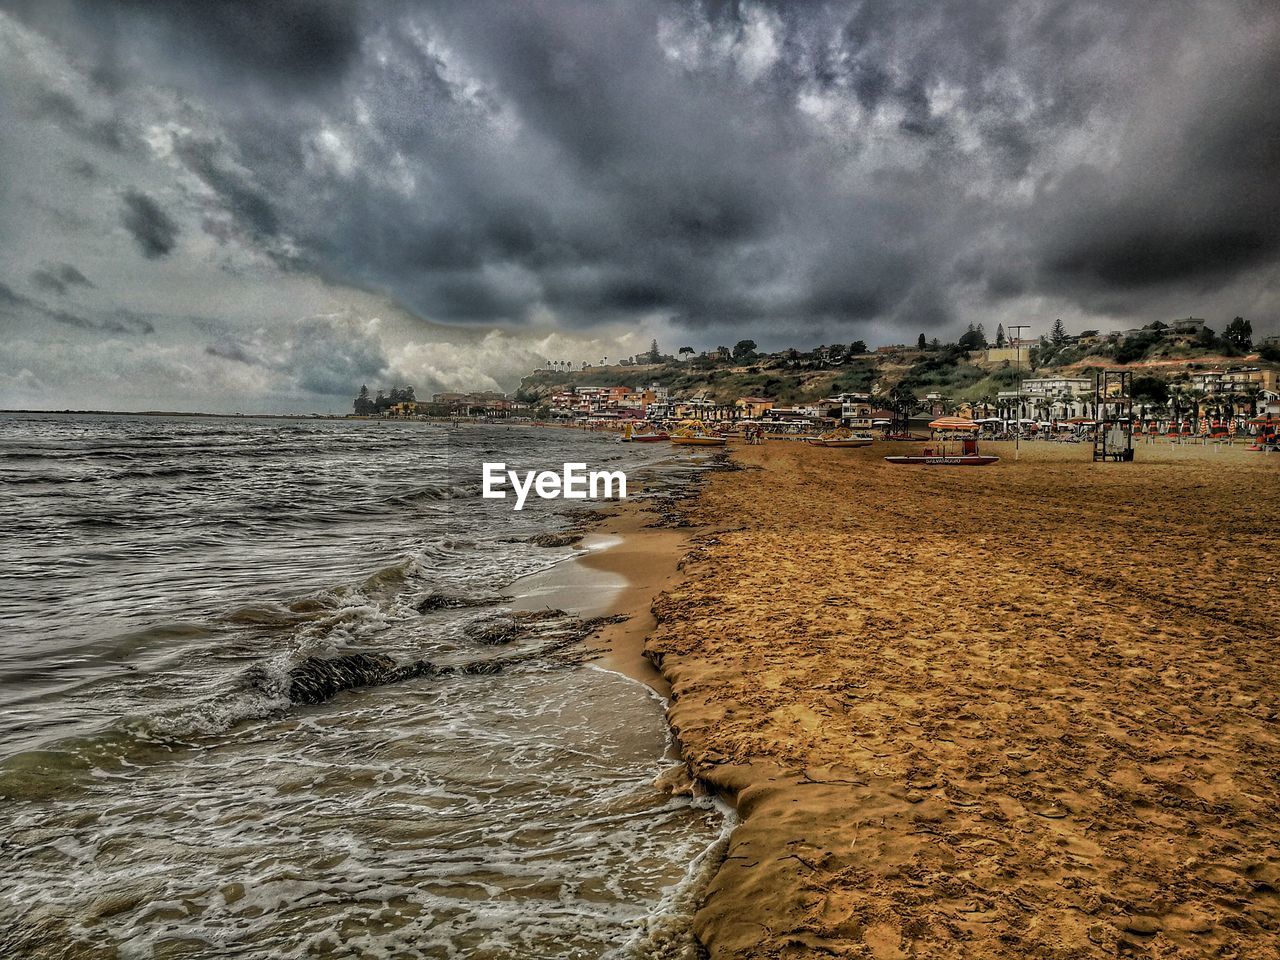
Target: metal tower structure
{"x": 1113, "y": 409}
{"x": 1017, "y": 329}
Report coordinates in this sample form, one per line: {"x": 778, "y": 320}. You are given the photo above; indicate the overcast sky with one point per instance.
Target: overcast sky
{"x": 237, "y": 205}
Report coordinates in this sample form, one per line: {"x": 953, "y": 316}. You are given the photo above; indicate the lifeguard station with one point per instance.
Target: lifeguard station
{"x": 1113, "y": 408}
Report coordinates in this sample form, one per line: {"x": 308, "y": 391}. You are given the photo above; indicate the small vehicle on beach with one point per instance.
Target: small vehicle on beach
{"x": 966, "y": 456}
{"x": 843, "y": 437}
{"x": 695, "y": 434}
{"x": 642, "y": 433}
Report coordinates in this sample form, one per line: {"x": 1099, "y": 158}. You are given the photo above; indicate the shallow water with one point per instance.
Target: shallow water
{"x": 163, "y": 797}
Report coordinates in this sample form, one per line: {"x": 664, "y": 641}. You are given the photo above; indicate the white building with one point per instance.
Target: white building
{"x": 855, "y": 409}
{"x": 1052, "y": 398}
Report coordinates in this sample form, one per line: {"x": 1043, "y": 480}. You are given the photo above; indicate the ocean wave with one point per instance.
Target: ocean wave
{"x": 667, "y": 932}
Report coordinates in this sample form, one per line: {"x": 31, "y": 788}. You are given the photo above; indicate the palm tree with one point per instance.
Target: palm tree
{"x": 1251, "y": 393}
{"x": 1195, "y": 397}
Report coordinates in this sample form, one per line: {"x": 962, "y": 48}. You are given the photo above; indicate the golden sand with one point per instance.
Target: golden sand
{"x": 1028, "y": 710}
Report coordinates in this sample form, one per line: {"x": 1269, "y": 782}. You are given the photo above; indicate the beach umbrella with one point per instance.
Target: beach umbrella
{"x": 953, "y": 423}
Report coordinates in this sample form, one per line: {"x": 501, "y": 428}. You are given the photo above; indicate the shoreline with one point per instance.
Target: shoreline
{"x": 622, "y": 565}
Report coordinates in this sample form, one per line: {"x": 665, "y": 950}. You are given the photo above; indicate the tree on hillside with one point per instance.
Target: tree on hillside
{"x": 1239, "y": 333}
{"x": 685, "y": 351}
{"x": 1251, "y": 393}
{"x": 1058, "y": 336}
{"x": 1001, "y": 340}
{"x": 655, "y": 355}
{"x": 857, "y": 348}
{"x": 1148, "y": 389}
{"x": 1037, "y": 354}
{"x": 744, "y": 349}
{"x": 922, "y": 343}
{"x": 972, "y": 339}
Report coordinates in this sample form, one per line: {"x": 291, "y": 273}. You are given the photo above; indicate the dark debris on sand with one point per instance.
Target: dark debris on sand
{"x": 566, "y": 539}
{"x": 319, "y": 679}
{"x": 445, "y": 601}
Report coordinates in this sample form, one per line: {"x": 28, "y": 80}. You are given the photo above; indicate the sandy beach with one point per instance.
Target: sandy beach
{"x": 1029, "y": 710}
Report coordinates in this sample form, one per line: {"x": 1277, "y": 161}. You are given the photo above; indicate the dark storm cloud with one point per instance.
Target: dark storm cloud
{"x": 1198, "y": 206}
{"x": 153, "y": 229}
{"x": 783, "y": 166}
{"x": 247, "y": 205}
{"x": 59, "y": 277}
{"x": 230, "y": 350}
{"x": 14, "y": 305}
{"x": 321, "y": 355}
{"x": 60, "y": 109}
{"x": 292, "y": 44}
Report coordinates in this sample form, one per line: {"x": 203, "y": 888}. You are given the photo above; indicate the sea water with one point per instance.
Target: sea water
{"x": 162, "y": 796}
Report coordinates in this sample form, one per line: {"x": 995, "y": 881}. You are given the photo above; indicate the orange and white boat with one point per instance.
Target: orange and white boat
{"x": 967, "y": 456}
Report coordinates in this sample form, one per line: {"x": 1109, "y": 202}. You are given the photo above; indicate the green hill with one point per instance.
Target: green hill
{"x": 947, "y": 369}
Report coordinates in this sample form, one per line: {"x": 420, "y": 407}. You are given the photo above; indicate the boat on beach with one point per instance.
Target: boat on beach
{"x": 642, "y": 433}
{"x": 697, "y": 441}
{"x": 841, "y": 438}
{"x": 695, "y": 434}
{"x": 946, "y": 460}
{"x": 942, "y": 428}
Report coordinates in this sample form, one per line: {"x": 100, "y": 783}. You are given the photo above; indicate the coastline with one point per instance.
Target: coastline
{"x": 631, "y": 552}
{"x": 625, "y": 564}
{"x": 956, "y": 714}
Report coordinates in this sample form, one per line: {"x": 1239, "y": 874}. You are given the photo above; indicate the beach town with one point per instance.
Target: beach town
{"x": 1163, "y": 382}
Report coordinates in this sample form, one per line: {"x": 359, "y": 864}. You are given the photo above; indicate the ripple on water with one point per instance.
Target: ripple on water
{"x": 504, "y": 816}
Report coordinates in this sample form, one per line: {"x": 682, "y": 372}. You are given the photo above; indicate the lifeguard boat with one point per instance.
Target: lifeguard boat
{"x": 943, "y": 428}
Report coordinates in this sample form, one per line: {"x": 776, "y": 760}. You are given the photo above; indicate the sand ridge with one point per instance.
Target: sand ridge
{"x": 1028, "y": 710}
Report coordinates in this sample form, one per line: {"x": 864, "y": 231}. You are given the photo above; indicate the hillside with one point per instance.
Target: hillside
{"x": 949, "y": 370}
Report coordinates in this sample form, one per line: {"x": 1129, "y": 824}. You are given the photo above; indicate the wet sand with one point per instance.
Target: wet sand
{"x": 628, "y": 559}
{"x": 1026, "y": 710}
